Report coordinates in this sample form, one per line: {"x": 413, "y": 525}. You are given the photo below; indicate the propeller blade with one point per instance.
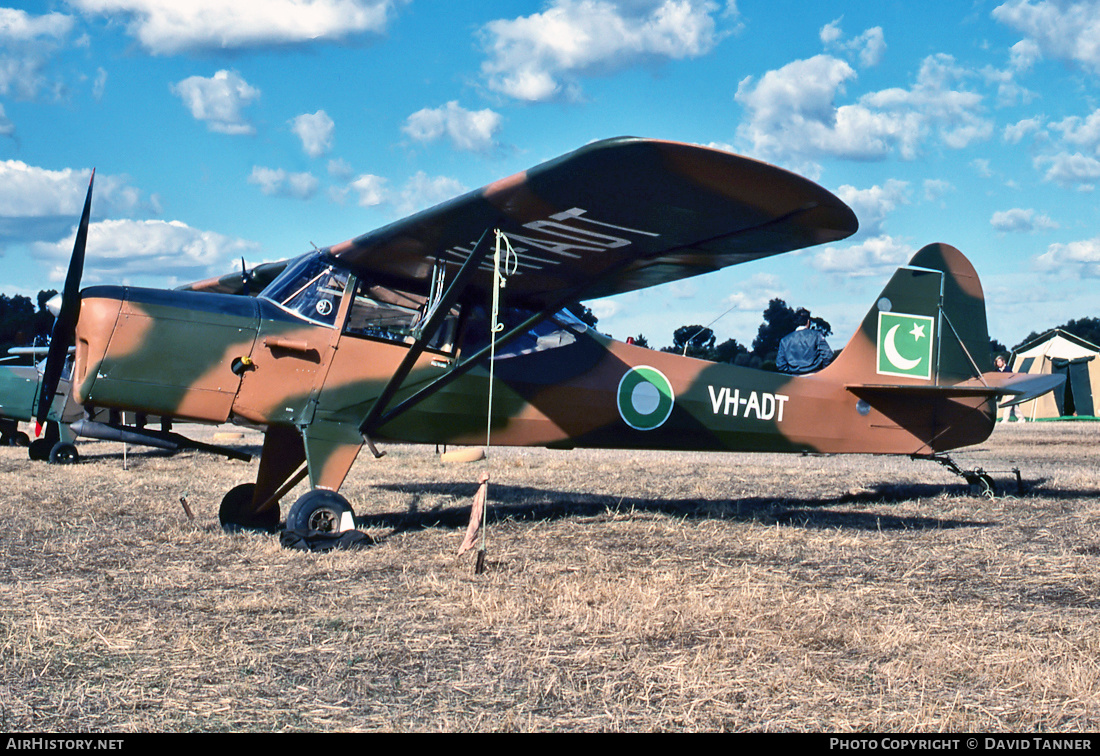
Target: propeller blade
{"x": 64, "y": 328}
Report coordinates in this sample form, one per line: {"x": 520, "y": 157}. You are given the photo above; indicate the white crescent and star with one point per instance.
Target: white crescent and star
{"x": 891, "y": 348}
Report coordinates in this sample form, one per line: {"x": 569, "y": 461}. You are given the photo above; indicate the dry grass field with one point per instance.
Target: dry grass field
{"x": 624, "y": 591}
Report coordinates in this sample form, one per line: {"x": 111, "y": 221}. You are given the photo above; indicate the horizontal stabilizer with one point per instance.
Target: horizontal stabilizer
{"x": 1020, "y": 386}
{"x": 1023, "y": 387}
{"x": 958, "y": 389}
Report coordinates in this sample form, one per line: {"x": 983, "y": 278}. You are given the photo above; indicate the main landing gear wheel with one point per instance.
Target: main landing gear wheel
{"x": 64, "y": 454}
{"x": 235, "y": 512}
{"x": 40, "y": 449}
{"x": 18, "y": 438}
{"x": 321, "y": 511}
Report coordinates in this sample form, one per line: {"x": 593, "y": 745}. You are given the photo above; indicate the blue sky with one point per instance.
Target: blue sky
{"x": 226, "y": 129}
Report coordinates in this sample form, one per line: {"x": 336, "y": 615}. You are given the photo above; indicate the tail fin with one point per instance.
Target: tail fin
{"x": 920, "y": 361}
{"x": 928, "y": 326}
{"x": 919, "y": 356}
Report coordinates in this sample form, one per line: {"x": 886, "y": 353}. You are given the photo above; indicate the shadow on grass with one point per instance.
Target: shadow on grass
{"x": 519, "y": 503}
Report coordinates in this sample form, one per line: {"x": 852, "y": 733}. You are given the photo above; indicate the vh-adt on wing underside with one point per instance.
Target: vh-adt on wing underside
{"x": 612, "y": 217}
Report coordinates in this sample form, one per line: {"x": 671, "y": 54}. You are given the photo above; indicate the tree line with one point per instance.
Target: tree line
{"x": 21, "y": 324}
{"x": 699, "y": 341}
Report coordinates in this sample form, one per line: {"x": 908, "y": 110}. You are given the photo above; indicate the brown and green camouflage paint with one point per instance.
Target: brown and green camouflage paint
{"x": 614, "y": 216}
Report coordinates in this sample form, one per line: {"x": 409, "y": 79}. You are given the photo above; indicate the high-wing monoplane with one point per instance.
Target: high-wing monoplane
{"x": 394, "y": 336}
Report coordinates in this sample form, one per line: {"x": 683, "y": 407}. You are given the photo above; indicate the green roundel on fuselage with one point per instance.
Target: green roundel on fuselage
{"x": 645, "y": 398}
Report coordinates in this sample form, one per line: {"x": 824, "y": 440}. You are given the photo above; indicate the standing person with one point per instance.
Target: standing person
{"x": 804, "y": 350}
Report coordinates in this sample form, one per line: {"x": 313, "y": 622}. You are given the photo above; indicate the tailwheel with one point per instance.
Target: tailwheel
{"x": 236, "y": 511}
{"x": 64, "y": 454}
{"x": 984, "y": 484}
{"x": 321, "y": 511}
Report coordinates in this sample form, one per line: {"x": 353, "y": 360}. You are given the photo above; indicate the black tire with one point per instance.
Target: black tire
{"x": 235, "y": 512}
{"x": 39, "y": 449}
{"x": 64, "y": 454}
{"x": 318, "y": 511}
{"x": 986, "y": 486}
{"x": 20, "y": 439}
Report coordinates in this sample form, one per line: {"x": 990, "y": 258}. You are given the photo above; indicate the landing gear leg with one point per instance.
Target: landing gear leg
{"x": 978, "y": 478}
{"x": 255, "y": 506}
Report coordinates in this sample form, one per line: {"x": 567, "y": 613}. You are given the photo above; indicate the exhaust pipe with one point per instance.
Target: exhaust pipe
{"x": 146, "y": 437}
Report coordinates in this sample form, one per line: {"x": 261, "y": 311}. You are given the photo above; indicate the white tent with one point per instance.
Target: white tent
{"x": 1060, "y": 353}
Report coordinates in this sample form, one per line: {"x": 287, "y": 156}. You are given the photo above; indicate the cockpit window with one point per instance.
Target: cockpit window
{"x": 382, "y": 313}
{"x": 560, "y": 329}
{"x": 310, "y": 287}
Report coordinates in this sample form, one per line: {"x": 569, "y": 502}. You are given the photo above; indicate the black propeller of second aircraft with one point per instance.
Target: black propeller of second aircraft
{"x": 64, "y": 328}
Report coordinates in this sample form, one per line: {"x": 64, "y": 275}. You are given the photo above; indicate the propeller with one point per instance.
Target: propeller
{"x": 64, "y": 327}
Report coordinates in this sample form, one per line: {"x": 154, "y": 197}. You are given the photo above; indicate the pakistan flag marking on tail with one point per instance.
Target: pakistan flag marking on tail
{"x": 645, "y": 398}
{"x": 905, "y": 344}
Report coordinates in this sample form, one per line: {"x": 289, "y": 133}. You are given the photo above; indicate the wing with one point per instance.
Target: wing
{"x": 611, "y": 217}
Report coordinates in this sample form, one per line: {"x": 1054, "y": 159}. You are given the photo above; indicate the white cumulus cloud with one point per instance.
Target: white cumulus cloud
{"x": 38, "y": 203}
{"x": 1021, "y": 220}
{"x": 119, "y": 250}
{"x": 422, "y": 191}
{"x": 218, "y": 100}
{"x": 877, "y": 256}
{"x": 275, "y": 182}
{"x": 792, "y": 113}
{"x": 935, "y": 189}
{"x": 467, "y": 129}
{"x": 541, "y": 56}
{"x": 27, "y": 46}
{"x": 868, "y": 48}
{"x": 871, "y": 206}
{"x": 1070, "y": 169}
{"x": 371, "y": 189}
{"x": 1015, "y": 132}
{"x": 1056, "y": 29}
{"x": 1079, "y": 259}
{"x": 167, "y": 27}
{"x": 315, "y": 131}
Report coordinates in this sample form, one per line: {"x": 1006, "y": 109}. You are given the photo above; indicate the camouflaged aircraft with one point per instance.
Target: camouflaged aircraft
{"x": 386, "y": 337}
{"x": 20, "y": 386}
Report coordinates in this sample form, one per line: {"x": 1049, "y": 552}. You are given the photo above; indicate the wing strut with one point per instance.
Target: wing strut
{"x": 435, "y": 320}
{"x": 571, "y": 295}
